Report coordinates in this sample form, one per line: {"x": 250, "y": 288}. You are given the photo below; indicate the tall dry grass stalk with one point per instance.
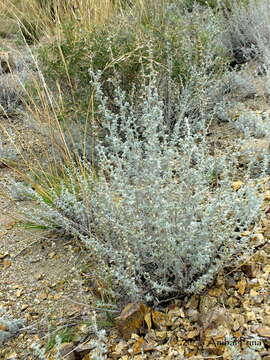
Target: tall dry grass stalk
{"x": 48, "y": 16}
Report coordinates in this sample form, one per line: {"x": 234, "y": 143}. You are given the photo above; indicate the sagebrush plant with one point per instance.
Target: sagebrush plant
{"x": 9, "y": 327}
{"x": 253, "y": 124}
{"x": 150, "y": 213}
{"x": 11, "y": 91}
{"x": 144, "y": 193}
{"x": 180, "y": 41}
{"x": 215, "y": 4}
{"x": 247, "y": 31}
{"x": 187, "y": 76}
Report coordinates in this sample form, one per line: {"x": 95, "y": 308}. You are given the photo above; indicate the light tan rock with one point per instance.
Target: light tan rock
{"x": 263, "y": 331}
{"x": 66, "y": 351}
{"x": 131, "y": 319}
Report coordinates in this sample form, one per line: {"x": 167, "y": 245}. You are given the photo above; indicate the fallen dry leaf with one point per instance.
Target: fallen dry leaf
{"x": 237, "y": 185}
{"x": 83, "y": 350}
{"x": 57, "y": 296}
{"x": 24, "y": 307}
{"x": 137, "y": 347}
{"x": 3, "y": 327}
{"x": 266, "y": 269}
{"x": 11, "y": 224}
{"x": 148, "y": 320}
{"x": 214, "y": 338}
{"x": 215, "y": 291}
{"x": 266, "y": 233}
{"x": 250, "y": 316}
{"x": 11, "y": 356}
{"x": 42, "y": 296}
{"x": 253, "y": 293}
{"x": 159, "y": 320}
{"x": 207, "y": 303}
{"x": 267, "y": 195}
{"x": 192, "y": 334}
{"x": 6, "y": 263}
{"x": 241, "y": 286}
{"x": 161, "y": 335}
{"x": 19, "y": 293}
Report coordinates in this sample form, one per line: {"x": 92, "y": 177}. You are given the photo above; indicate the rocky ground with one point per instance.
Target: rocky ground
{"x": 46, "y": 284}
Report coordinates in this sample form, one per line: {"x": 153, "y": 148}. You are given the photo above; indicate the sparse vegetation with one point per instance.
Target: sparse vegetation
{"x": 65, "y": 336}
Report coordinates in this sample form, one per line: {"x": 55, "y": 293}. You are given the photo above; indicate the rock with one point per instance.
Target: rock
{"x": 249, "y": 270}
{"x": 207, "y": 303}
{"x": 215, "y": 317}
{"x": 39, "y": 276}
{"x": 120, "y": 349}
{"x": 142, "y": 346}
{"x": 263, "y": 331}
{"x": 83, "y": 349}
{"x": 159, "y": 320}
{"x": 7, "y": 62}
{"x": 131, "y": 319}
{"x": 214, "y": 340}
{"x": 193, "y": 315}
{"x": 66, "y": 351}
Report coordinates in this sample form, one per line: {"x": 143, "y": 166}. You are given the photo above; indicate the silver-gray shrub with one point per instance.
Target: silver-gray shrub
{"x": 12, "y": 85}
{"x": 11, "y": 91}
{"x": 160, "y": 217}
{"x": 9, "y": 327}
{"x": 248, "y": 30}
{"x": 253, "y": 124}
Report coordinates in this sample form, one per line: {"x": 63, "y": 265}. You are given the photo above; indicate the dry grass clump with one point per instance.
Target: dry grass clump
{"x": 43, "y": 19}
